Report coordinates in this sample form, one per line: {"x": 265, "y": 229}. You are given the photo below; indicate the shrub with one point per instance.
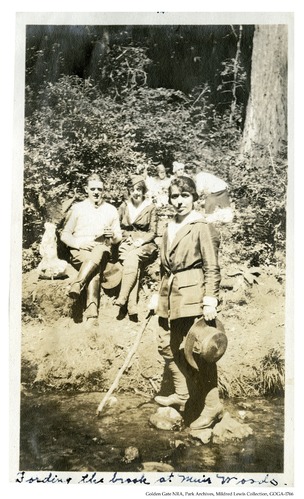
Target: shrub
{"x": 74, "y": 127}
{"x": 258, "y": 193}
{"x": 272, "y": 373}
{"x": 78, "y": 130}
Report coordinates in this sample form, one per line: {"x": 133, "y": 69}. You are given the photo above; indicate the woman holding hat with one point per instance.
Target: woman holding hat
{"x": 139, "y": 225}
{"x": 189, "y": 291}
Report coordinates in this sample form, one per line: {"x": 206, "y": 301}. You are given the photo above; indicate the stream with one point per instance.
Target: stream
{"x": 61, "y": 432}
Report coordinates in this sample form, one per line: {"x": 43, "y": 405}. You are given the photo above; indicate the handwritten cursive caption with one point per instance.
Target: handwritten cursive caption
{"x": 216, "y": 479}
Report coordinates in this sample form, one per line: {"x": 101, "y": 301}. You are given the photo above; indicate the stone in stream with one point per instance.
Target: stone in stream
{"x": 230, "y": 429}
{"x": 156, "y": 466}
{"x": 227, "y": 429}
{"x": 166, "y": 418}
{"x": 131, "y": 454}
{"x": 204, "y": 435}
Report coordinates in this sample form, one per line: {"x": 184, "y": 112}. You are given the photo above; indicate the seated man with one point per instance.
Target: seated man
{"x": 91, "y": 228}
{"x": 215, "y": 192}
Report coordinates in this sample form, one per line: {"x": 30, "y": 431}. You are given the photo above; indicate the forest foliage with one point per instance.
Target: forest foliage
{"x": 111, "y": 124}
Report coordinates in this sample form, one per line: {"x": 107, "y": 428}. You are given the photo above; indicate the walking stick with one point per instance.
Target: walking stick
{"x": 125, "y": 365}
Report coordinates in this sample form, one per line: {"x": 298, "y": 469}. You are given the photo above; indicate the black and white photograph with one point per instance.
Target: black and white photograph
{"x": 155, "y": 169}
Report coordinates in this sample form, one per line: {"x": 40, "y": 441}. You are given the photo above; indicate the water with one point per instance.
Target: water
{"x": 62, "y": 433}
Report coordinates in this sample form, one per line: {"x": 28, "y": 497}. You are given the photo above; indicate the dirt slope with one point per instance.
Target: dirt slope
{"x": 61, "y": 352}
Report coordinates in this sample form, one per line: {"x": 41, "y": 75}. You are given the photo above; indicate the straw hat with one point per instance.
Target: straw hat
{"x": 208, "y": 340}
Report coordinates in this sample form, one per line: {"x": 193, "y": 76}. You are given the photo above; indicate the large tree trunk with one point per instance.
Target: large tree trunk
{"x": 266, "y": 118}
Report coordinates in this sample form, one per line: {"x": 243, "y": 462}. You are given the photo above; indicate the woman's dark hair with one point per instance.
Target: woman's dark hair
{"x": 185, "y": 184}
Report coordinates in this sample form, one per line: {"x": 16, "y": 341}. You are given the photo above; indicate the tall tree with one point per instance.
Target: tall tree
{"x": 266, "y": 116}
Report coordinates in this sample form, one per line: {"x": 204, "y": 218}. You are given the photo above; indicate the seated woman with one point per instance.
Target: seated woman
{"x": 159, "y": 187}
{"x": 143, "y": 171}
{"x": 178, "y": 169}
{"x": 139, "y": 225}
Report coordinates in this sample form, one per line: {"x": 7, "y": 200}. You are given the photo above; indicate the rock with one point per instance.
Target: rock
{"x": 50, "y": 267}
{"x": 131, "y": 454}
{"x": 230, "y": 429}
{"x": 161, "y": 424}
{"x": 178, "y": 443}
{"x": 245, "y": 414}
{"x": 166, "y": 418}
{"x": 245, "y": 405}
{"x": 156, "y": 466}
{"x": 112, "y": 401}
{"x": 202, "y": 435}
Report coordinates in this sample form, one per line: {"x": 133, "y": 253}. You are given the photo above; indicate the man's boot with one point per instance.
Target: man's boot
{"x": 85, "y": 271}
{"x": 181, "y": 395}
{"x": 129, "y": 276}
{"x": 93, "y": 291}
{"x": 212, "y": 412}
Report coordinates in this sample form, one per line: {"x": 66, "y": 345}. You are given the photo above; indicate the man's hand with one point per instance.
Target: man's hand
{"x": 87, "y": 246}
{"x": 209, "y": 312}
{"x": 108, "y": 232}
{"x": 138, "y": 242}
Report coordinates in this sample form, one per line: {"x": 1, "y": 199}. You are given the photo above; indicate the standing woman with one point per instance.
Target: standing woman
{"x": 139, "y": 227}
{"x": 189, "y": 290}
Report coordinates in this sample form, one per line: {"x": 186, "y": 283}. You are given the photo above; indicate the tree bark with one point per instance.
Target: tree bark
{"x": 266, "y": 117}
{"x": 235, "y": 73}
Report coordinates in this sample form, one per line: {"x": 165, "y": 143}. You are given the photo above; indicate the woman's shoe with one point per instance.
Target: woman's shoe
{"x": 75, "y": 290}
{"x": 122, "y": 312}
{"x": 91, "y": 311}
{"x": 173, "y": 399}
{"x": 208, "y": 418}
{"x": 133, "y": 317}
{"x": 119, "y": 303}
